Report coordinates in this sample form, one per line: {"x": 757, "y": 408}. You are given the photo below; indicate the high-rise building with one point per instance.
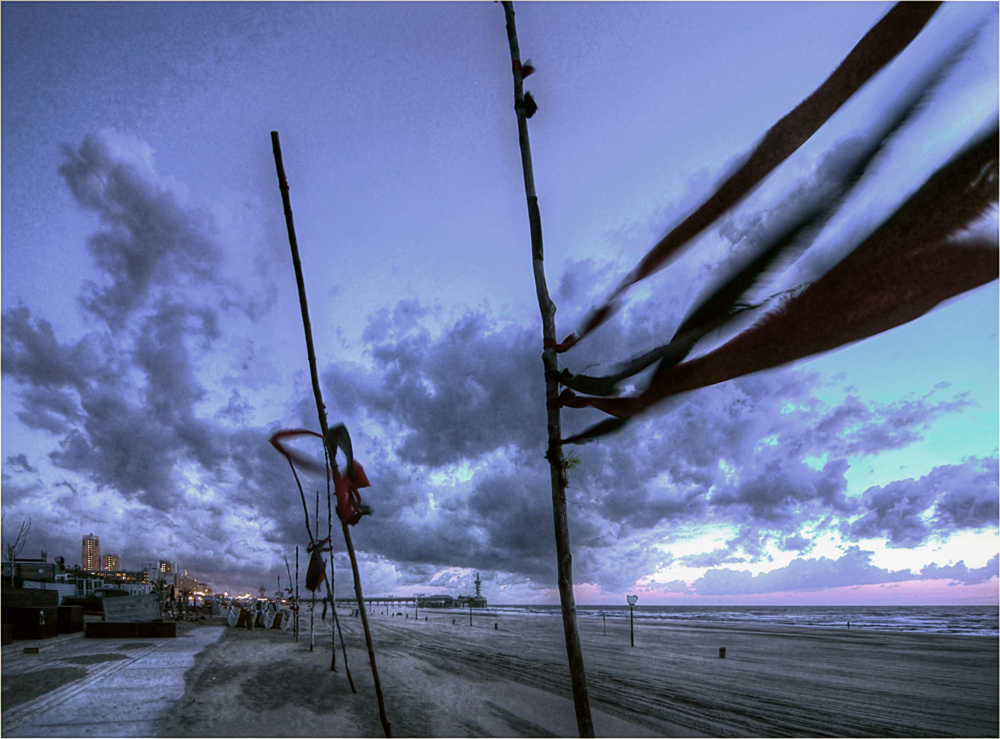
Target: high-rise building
{"x": 111, "y": 563}
{"x": 91, "y": 556}
{"x": 167, "y": 567}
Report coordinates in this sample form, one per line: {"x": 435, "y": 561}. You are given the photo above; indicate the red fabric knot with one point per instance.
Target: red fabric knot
{"x": 568, "y": 343}
{"x": 566, "y": 397}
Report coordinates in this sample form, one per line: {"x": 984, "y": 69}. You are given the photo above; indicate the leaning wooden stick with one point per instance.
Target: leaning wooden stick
{"x": 321, "y": 412}
{"x": 330, "y": 589}
{"x": 554, "y": 454}
{"x": 291, "y": 591}
{"x": 297, "y": 593}
{"x": 329, "y": 580}
{"x": 336, "y": 624}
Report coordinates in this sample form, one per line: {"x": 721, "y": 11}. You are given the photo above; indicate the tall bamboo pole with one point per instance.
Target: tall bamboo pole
{"x": 550, "y": 362}
{"x": 296, "y": 595}
{"x": 329, "y": 581}
{"x": 321, "y": 412}
{"x": 335, "y": 629}
{"x": 312, "y": 605}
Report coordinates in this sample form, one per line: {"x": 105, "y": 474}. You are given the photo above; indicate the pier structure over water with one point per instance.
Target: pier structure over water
{"x": 426, "y": 601}
{"x": 420, "y": 601}
{"x": 386, "y": 600}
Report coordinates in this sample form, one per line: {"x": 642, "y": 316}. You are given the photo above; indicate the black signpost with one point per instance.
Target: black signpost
{"x": 631, "y": 622}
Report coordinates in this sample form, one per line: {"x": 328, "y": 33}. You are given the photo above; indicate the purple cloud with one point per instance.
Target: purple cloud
{"x": 947, "y": 499}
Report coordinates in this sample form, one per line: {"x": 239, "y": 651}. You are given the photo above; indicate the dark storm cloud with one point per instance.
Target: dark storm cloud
{"x": 503, "y": 523}
{"x": 472, "y": 390}
{"x": 444, "y": 392}
{"x": 20, "y": 461}
{"x": 49, "y": 408}
{"x": 733, "y": 452}
{"x": 148, "y": 239}
{"x": 123, "y": 403}
{"x": 853, "y": 568}
{"x": 119, "y": 435}
{"x": 778, "y": 495}
{"x": 947, "y": 499}
{"x": 15, "y": 492}
{"x": 32, "y": 353}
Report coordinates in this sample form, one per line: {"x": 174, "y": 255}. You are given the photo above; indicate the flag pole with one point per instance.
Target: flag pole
{"x": 321, "y": 411}
{"x": 554, "y": 454}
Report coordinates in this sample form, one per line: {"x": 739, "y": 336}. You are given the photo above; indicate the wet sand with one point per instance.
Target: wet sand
{"x": 441, "y": 679}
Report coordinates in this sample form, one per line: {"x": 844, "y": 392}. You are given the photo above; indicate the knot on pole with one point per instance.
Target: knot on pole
{"x": 528, "y": 104}
{"x": 525, "y": 69}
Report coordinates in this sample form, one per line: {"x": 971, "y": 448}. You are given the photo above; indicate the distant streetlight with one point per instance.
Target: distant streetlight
{"x": 631, "y": 621}
{"x": 416, "y": 604}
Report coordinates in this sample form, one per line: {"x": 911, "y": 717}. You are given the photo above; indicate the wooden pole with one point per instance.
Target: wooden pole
{"x": 329, "y": 583}
{"x": 321, "y": 412}
{"x": 343, "y": 646}
{"x": 296, "y": 595}
{"x": 290, "y": 591}
{"x": 564, "y": 554}
{"x": 330, "y": 589}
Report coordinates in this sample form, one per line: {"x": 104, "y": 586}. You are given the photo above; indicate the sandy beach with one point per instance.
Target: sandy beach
{"x": 507, "y": 676}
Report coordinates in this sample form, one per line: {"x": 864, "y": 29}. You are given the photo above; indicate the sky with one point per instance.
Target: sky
{"x": 152, "y": 339}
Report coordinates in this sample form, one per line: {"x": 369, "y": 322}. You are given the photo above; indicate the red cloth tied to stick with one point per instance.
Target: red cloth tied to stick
{"x": 316, "y": 573}
{"x": 349, "y": 506}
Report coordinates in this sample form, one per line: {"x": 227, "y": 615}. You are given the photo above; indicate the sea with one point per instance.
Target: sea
{"x": 979, "y": 620}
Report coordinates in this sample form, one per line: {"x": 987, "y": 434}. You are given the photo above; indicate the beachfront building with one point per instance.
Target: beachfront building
{"x": 90, "y": 556}
{"x": 168, "y": 568}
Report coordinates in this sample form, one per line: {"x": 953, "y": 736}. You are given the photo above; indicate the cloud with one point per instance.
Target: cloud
{"x": 947, "y": 499}
{"x": 734, "y": 452}
{"x": 447, "y": 413}
{"x": 796, "y": 543}
{"x": 148, "y": 237}
{"x": 778, "y": 494}
{"x": 20, "y": 461}
{"x": 473, "y": 389}
{"x": 960, "y": 574}
{"x": 854, "y": 567}
{"x": 33, "y": 354}
{"x": 123, "y": 402}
